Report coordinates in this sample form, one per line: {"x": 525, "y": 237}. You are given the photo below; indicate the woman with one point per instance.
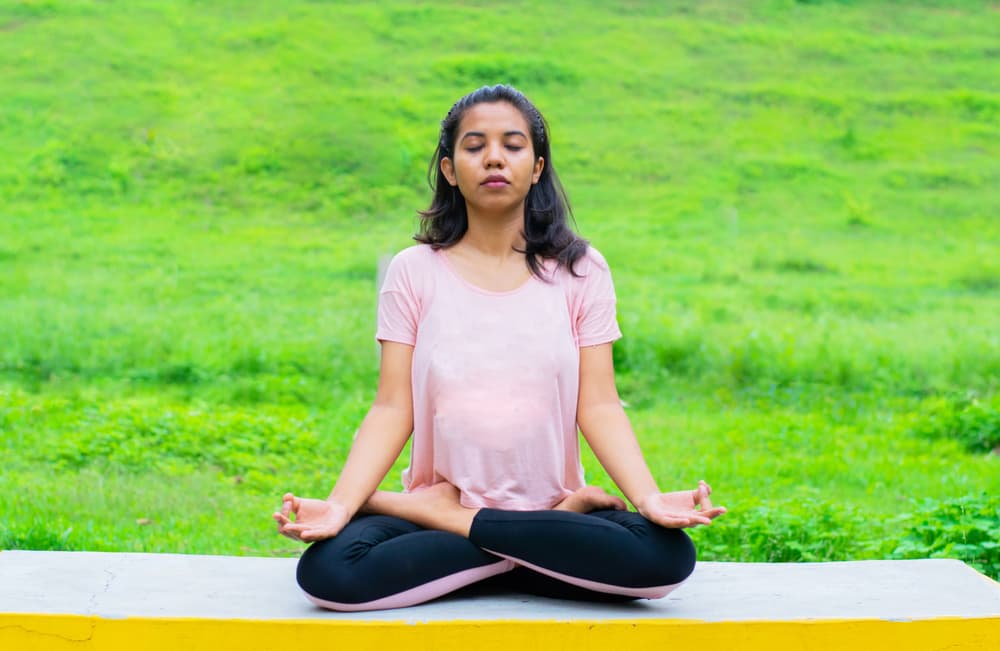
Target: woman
{"x": 496, "y": 336}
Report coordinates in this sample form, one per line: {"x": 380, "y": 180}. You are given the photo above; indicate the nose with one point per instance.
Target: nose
{"x": 494, "y": 155}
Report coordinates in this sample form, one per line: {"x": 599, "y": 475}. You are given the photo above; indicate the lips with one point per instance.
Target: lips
{"x": 495, "y": 181}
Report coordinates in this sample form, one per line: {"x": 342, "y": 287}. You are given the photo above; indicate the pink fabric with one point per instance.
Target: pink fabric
{"x": 421, "y": 593}
{"x": 496, "y": 375}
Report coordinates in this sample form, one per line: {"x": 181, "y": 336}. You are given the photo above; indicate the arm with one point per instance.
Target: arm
{"x": 380, "y": 439}
{"x": 383, "y": 432}
{"x": 606, "y": 427}
{"x": 609, "y": 434}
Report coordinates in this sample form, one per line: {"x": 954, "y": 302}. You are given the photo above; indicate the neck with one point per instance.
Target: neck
{"x": 495, "y": 235}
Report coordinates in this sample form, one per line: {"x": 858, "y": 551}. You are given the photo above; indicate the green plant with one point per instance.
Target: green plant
{"x": 965, "y": 528}
{"x": 970, "y": 420}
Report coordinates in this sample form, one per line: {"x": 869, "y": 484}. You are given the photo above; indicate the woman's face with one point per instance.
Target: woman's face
{"x": 494, "y": 162}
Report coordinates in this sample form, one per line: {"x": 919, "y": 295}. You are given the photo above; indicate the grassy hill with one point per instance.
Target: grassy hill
{"x": 798, "y": 200}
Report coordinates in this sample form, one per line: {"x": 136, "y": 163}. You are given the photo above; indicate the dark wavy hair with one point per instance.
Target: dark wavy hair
{"x": 546, "y": 208}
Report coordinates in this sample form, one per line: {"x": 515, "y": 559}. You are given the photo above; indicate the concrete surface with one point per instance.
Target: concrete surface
{"x": 111, "y": 585}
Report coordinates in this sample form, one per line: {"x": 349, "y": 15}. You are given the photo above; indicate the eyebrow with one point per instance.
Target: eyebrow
{"x": 469, "y": 134}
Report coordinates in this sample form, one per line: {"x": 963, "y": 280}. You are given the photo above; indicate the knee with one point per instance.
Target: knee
{"x": 675, "y": 557}
{"x": 323, "y": 574}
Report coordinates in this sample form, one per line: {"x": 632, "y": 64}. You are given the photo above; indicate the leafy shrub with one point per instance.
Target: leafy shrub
{"x": 970, "y": 420}
{"x": 965, "y": 528}
{"x": 807, "y": 531}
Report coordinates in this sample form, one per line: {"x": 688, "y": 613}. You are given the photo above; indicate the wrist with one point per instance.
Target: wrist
{"x": 351, "y": 504}
{"x": 641, "y": 502}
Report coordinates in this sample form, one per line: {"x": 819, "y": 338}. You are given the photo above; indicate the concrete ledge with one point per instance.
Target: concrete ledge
{"x": 112, "y": 602}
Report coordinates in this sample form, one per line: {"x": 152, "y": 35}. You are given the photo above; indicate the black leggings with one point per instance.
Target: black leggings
{"x": 379, "y": 561}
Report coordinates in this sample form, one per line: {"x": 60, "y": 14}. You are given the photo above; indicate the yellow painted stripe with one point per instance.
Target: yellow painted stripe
{"x": 56, "y": 632}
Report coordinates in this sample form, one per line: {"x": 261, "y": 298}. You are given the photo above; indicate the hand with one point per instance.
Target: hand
{"x": 680, "y": 509}
{"x": 314, "y": 519}
{"x": 590, "y": 498}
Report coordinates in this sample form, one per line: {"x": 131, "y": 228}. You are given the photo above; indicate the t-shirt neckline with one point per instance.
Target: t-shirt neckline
{"x": 440, "y": 254}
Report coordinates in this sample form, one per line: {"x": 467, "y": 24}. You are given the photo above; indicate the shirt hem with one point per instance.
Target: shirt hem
{"x": 599, "y": 340}
{"x": 380, "y": 337}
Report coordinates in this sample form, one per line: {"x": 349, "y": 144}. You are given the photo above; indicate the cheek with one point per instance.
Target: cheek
{"x": 464, "y": 169}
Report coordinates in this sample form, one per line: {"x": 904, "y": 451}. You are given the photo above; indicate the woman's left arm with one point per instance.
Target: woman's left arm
{"x": 609, "y": 433}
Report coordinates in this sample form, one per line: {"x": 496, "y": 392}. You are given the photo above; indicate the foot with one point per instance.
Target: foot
{"x": 590, "y": 498}
{"x": 434, "y": 507}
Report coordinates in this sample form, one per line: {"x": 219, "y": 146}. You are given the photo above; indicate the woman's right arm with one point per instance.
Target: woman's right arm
{"x": 383, "y": 432}
{"x": 380, "y": 439}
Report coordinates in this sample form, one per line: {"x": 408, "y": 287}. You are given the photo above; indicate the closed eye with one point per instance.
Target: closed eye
{"x": 476, "y": 148}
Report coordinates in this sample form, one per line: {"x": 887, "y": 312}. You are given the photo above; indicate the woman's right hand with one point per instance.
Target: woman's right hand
{"x": 314, "y": 519}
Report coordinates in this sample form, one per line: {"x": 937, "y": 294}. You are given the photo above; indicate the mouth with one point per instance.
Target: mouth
{"x": 495, "y": 181}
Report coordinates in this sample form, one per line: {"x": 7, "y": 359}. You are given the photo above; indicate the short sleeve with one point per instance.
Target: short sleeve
{"x": 596, "y": 318}
{"x": 398, "y": 305}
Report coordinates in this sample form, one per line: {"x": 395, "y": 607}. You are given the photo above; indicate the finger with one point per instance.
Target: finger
{"x": 295, "y": 529}
{"x": 283, "y": 529}
{"x": 281, "y": 518}
{"x": 620, "y": 504}
{"x": 715, "y": 512}
{"x": 290, "y": 536}
{"x": 671, "y": 520}
{"x": 703, "y": 492}
{"x": 311, "y": 536}
{"x": 286, "y": 506}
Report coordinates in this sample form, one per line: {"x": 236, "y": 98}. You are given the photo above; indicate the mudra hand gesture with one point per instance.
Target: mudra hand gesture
{"x": 680, "y": 509}
{"x": 314, "y": 519}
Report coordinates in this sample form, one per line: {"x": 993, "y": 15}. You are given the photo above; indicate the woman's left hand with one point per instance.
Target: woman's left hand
{"x": 681, "y": 508}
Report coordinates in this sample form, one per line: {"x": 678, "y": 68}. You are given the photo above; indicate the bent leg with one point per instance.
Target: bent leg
{"x": 610, "y": 552}
{"x": 379, "y": 561}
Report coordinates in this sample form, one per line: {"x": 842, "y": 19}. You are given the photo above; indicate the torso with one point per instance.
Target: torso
{"x": 495, "y": 372}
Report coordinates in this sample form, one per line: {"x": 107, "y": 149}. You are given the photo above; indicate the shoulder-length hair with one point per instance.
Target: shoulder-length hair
{"x": 546, "y": 208}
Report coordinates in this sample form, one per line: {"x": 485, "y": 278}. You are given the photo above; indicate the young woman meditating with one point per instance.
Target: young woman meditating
{"x": 496, "y": 334}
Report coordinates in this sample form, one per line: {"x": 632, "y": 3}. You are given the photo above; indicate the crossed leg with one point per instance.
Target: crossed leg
{"x": 382, "y": 561}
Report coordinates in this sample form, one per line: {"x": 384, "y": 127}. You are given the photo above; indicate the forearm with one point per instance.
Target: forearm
{"x": 380, "y": 439}
{"x": 609, "y": 434}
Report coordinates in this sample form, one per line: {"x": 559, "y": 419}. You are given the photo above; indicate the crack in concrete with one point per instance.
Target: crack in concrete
{"x": 65, "y": 638}
{"x": 111, "y": 579}
{"x": 92, "y": 602}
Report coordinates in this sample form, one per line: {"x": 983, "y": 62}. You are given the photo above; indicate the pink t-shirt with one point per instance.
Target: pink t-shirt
{"x": 496, "y": 375}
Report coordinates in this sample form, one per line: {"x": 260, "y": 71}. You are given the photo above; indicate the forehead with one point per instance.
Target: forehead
{"x": 491, "y": 117}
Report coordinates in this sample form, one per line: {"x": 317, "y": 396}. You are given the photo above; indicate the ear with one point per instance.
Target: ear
{"x": 537, "y": 173}
{"x": 448, "y": 169}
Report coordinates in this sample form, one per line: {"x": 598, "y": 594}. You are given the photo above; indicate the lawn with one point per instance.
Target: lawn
{"x": 798, "y": 201}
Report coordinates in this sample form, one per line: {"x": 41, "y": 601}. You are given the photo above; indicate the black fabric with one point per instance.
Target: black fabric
{"x": 376, "y": 556}
{"x": 619, "y": 548}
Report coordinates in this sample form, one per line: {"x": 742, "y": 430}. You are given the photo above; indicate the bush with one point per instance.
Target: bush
{"x": 965, "y": 528}
{"x": 808, "y": 531}
{"x": 973, "y": 421}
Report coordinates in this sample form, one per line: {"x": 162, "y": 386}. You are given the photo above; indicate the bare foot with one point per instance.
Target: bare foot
{"x": 590, "y": 498}
{"x": 434, "y": 507}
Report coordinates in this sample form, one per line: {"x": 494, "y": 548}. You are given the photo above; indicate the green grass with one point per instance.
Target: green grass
{"x": 798, "y": 201}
